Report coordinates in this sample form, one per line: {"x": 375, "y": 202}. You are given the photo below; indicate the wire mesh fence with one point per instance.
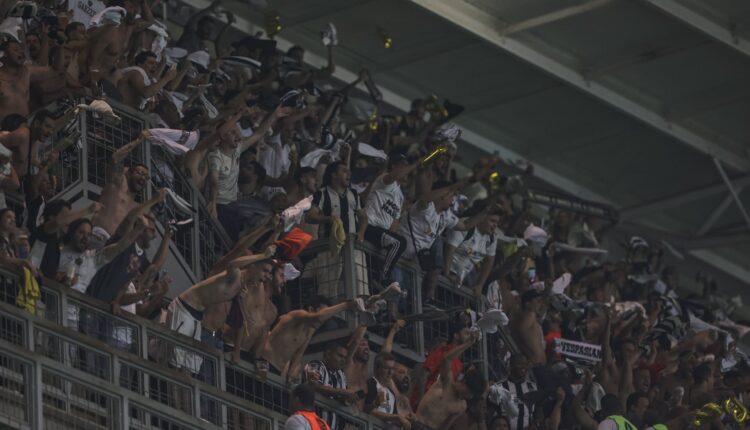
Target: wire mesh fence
{"x": 70, "y": 404}
{"x": 15, "y": 381}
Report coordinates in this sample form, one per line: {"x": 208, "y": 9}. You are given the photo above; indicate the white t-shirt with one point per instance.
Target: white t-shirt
{"x": 607, "y": 424}
{"x": 426, "y": 226}
{"x": 121, "y": 333}
{"x": 275, "y": 159}
{"x": 228, "y": 168}
{"x": 384, "y": 203}
{"x": 389, "y": 405}
{"x": 297, "y": 422}
{"x": 90, "y": 261}
{"x": 470, "y": 252}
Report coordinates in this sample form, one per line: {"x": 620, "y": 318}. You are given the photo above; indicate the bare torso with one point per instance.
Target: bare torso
{"x": 130, "y": 95}
{"x": 356, "y": 378}
{"x": 14, "y": 91}
{"x": 197, "y": 167}
{"x": 117, "y": 201}
{"x": 286, "y": 339}
{"x": 214, "y": 290}
{"x": 438, "y": 405}
{"x": 258, "y": 314}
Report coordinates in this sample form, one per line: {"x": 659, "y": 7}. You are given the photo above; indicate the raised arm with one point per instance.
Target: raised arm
{"x": 582, "y": 417}
{"x": 223, "y": 46}
{"x": 241, "y": 247}
{"x": 241, "y": 262}
{"x": 147, "y": 91}
{"x": 192, "y": 22}
{"x": 265, "y": 125}
{"x": 446, "y": 374}
{"x": 129, "y": 222}
{"x": 351, "y": 347}
{"x": 326, "y": 313}
{"x": 62, "y": 220}
{"x": 487, "y": 263}
{"x": 388, "y": 342}
{"x": 113, "y": 250}
{"x": 116, "y": 169}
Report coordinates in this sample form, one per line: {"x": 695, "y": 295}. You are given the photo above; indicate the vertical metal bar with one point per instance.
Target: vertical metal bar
{"x": 195, "y": 248}
{"x": 124, "y": 414}
{"x": 36, "y": 408}
{"x": 736, "y": 198}
{"x": 350, "y": 275}
{"x": 196, "y": 401}
{"x": 420, "y": 346}
{"x": 83, "y": 156}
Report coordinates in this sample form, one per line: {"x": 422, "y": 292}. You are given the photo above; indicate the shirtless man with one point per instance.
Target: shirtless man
{"x": 356, "y": 369}
{"x": 118, "y": 194}
{"x": 16, "y": 78}
{"x": 139, "y": 83}
{"x": 288, "y": 340}
{"x": 256, "y": 314}
{"x": 109, "y": 41}
{"x": 25, "y": 140}
{"x": 186, "y": 310}
{"x": 527, "y": 330}
{"x": 446, "y": 398}
{"x": 400, "y": 375}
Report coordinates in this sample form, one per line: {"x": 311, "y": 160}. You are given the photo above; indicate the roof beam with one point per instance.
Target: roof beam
{"x": 717, "y": 213}
{"x": 557, "y": 15}
{"x": 680, "y": 199}
{"x": 488, "y": 27}
{"x": 725, "y": 34}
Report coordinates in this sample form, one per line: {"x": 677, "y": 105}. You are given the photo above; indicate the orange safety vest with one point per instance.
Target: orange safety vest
{"x": 316, "y": 423}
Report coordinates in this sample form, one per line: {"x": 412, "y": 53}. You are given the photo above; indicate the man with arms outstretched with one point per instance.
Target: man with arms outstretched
{"x": 186, "y": 310}
{"x": 446, "y": 398}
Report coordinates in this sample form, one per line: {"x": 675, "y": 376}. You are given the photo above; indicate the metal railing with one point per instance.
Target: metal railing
{"x": 197, "y": 247}
{"x": 52, "y": 376}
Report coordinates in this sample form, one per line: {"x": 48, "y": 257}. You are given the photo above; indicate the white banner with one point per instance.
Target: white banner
{"x": 83, "y": 10}
{"x": 580, "y": 350}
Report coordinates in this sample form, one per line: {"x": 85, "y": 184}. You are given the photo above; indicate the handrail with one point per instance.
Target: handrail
{"x": 144, "y": 327}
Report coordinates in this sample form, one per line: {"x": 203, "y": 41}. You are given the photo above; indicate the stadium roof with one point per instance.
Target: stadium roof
{"x": 641, "y": 104}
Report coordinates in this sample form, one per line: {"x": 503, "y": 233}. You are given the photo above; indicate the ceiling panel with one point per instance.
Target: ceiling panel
{"x": 687, "y": 72}
{"x": 614, "y": 26}
{"x": 477, "y": 76}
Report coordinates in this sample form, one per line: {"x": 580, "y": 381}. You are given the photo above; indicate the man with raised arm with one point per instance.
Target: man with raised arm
{"x": 446, "y": 398}
{"x": 186, "y": 310}
{"x": 122, "y": 185}
{"x": 288, "y": 340}
{"x": 16, "y": 77}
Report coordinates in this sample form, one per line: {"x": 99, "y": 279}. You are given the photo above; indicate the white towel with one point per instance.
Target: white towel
{"x": 293, "y": 214}
{"x": 201, "y": 58}
{"x": 161, "y": 39}
{"x": 177, "y": 142}
{"x": 109, "y": 15}
{"x": 369, "y": 151}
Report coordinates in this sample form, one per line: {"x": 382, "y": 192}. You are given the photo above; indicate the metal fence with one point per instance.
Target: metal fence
{"x": 202, "y": 243}
{"x": 53, "y": 376}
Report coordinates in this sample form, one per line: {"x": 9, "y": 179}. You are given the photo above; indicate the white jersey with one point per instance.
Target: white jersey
{"x": 471, "y": 251}
{"x": 384, "y": 203}
{"x": 422, "y": 227}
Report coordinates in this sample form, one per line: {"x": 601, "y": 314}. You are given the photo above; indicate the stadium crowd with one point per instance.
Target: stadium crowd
{"x": 271, "y": 144}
